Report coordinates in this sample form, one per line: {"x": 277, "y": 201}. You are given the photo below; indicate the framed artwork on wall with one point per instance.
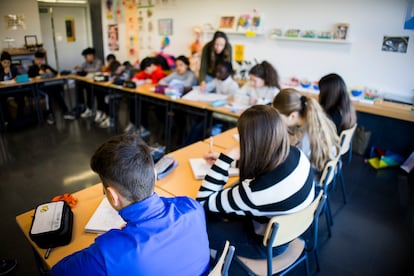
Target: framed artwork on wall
{"x": 165, "y": 27}
{"x": 341, "y": 31}
{"x": 227, "y": 23}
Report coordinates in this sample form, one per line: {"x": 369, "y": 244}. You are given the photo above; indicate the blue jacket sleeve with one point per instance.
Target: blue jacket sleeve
{"x": 84, "y": 262}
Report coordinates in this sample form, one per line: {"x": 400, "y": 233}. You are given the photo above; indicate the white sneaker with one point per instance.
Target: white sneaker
{"x": 108, "y": 122}
{"x": 100, "y": 116}
{"x": 87, "y": 113}
{"x": 130, "y": 128}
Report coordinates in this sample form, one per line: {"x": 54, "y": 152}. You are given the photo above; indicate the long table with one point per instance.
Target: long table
{"x": 88, "y": 201}
{"x": 180, "y": 182}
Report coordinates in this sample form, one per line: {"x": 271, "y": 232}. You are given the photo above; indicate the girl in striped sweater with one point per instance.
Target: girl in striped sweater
{"x": 275, "y": 179}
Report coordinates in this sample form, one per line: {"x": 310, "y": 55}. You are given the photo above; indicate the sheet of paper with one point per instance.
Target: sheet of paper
{"x": 200, "y": 168}
{"x": 104, "y": 218}
{"x": 197, "y": 95}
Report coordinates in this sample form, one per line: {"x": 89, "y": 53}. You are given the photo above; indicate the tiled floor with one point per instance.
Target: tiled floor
{"x": 372, "y": 235}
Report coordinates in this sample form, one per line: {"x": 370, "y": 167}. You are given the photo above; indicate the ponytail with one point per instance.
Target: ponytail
{"x": 324, "y": 141}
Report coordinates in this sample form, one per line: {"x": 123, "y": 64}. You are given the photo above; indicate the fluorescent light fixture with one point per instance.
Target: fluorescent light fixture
{"x": 64, "y": 1}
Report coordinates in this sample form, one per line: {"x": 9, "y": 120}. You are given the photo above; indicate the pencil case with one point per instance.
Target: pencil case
{"x": 218, "y": 103}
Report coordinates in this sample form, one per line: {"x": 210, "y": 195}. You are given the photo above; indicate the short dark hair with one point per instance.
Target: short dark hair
{"x": 88, "y": 51}
{"x": 110, "y": 57}
{"x": 125, "y": 163}
{"x": 39, "y": 54}
{"x": 227, "y": 65}
{"x": 5, "y": 56}
{"x": 147, "y": 62}
{"x": 184, "y": 59}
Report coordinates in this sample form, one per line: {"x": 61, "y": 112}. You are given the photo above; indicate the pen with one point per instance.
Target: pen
{"x": 211, "y": 143}
{"x": 48, "y": 252}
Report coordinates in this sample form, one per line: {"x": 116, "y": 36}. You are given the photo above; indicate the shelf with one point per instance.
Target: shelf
{"x": 319, "y": 40}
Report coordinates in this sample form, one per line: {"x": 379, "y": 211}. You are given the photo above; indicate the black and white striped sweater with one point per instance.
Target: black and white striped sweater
{"x": 286, "y": 189}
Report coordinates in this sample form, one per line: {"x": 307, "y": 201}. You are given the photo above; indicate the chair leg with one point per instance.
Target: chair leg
{"x": 341, "y": 179}
{"x": 318, "y": 268}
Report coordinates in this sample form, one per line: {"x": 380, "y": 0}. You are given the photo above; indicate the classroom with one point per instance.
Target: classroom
{"x": 53, "y": 119}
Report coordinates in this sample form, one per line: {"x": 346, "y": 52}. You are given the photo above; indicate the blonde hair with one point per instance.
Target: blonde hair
{"x": 324, "y": 141}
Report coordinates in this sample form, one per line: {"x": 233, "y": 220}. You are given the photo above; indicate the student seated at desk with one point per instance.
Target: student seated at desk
{"x": 262, "y": 87}
{"x": 183, "y": 77}
{"x": 309, "y": 127}
{"x": 91, "y": 64}
{"x": 9, "y": 72}
{"x": 162, "y": 236}
{"x": 268, "y": 166}
{"x": 223, "y": 83}
{"x": 335, "y": 100}
{"x": 151, "y": 72}
{"x": 40, "y": 68}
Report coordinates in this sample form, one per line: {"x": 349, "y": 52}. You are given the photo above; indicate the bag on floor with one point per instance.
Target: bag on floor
{"x": 52, "y": 225}
{"x": 361, "y": 140}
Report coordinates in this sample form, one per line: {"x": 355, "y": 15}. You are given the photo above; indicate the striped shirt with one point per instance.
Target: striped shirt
{"x": 286, "y": 189}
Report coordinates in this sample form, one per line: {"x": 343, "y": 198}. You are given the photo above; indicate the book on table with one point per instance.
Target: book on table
{"x": 104, "y": 219}
{"x": 200, "y": 168}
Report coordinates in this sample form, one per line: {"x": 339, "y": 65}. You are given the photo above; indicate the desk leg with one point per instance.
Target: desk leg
{"x": 168, "y": 126}
{"x": 137, "y": 104}
{"x": 66, "y": 91}
{"x": 36, "y": 96}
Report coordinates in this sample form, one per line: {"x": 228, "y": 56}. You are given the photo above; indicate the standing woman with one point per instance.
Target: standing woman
{"x": 334, "y": 99}
{"x": 262, "y": 87}
{"x": 275, "y": 178}
{"x": 218, "y": 49}
{"x": 309, "y": 127}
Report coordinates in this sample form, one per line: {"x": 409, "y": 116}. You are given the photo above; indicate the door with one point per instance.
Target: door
{"x": 71, "y": 34}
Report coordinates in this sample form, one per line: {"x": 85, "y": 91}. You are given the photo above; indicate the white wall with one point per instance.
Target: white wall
{"x": 360, "y": 63}
{"x": 29, "y": 9}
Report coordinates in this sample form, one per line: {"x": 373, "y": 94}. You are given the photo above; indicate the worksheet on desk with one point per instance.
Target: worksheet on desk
{"x": 104, "y": 219}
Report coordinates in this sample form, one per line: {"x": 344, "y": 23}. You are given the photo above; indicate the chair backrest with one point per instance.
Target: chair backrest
{"x": 223, "y": 264}
{"x": 328, "y": 173}
{"x": 290, "y": 226}
{"x": 345, "y": 139}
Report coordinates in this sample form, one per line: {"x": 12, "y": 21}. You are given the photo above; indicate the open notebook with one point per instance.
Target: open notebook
{"x": 104, "y": 218}
{"x": 200, "y": 168}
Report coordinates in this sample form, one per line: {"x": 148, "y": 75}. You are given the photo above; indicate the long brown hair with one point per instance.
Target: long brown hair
{"x": 334, "y": 96}
{"x": 264, "y": 142}
{"x": 266, "y": 72}
{"x": 225, "y": 55}
{"x": 322, "y": 131}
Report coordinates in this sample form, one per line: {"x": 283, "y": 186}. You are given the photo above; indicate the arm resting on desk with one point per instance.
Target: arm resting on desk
{"x": 85, "y": 262}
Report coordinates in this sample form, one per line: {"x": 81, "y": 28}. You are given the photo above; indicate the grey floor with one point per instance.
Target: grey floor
{"x": 372, "y": 234}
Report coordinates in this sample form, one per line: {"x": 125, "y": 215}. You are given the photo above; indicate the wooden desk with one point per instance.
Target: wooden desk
{"x": 88, "y": 201}
{"x": 224, "y": 140}
{"x": 181, "y": 180}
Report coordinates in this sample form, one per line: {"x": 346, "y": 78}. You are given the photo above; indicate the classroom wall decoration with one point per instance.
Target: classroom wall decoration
{"x": 396, "y": 44}
{"x": 70, "y": 29}
{"x": 165, "y": 26}
{"x": 113, "y": 38}
{"x": 409, "y": 16}
{"x": 15, "y": 22}
{"x": 131, "y": 25}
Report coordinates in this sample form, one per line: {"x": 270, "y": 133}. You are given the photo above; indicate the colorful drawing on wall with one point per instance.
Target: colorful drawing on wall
{"x": 15, "y": 22}
{"x": 131, "y": 29}
{"x": 239, "y": 52}
{"x": 113, "y": 38}
{"x": 108, "y": 5}
{"x": 119, "y": 8}
{"x": 227, "y": 23}
{"x": 396, "y": 44}
{"x": 409, "y": 16}
{"x": 165, "y": 27}
{"x": 70, "y": 29}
